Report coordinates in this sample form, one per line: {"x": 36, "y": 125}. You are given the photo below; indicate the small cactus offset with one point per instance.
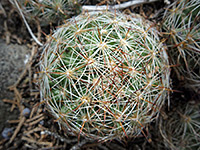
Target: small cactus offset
{"x": 181, "y": 131}
{"x": 49, "y": 11}
{"x": 105, "y": 74}
{"x": 182, "y": 24}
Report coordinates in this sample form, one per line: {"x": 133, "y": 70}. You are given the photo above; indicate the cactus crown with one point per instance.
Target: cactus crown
{"x": 105, "y": 74}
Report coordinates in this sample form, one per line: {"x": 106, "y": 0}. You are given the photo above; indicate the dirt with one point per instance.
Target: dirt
{"x": 12, "y": 62}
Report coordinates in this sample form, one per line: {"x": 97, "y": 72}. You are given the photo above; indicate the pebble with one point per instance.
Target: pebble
{"x": 6, "y": 133}
{"x": 26, "y": 112}
{"x": 42, "y": 122}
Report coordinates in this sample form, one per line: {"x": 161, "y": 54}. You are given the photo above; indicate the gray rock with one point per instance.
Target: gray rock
{"x": 6, "y": 133}
{"x": 26, "y": 112}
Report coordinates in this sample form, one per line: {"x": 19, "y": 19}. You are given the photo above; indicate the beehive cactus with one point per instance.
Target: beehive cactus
{"x": 182, "y": 23}
{"x": 49, "y": 11}
{"x": 181, "y": 131}
{"x": 105, "y": 74}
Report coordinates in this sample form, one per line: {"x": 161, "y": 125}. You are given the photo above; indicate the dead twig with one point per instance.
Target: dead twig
{"x": 114, "y": 7}
{"x": 53, "y": 148}
{"x": 31, "y": 140}
{"x": 79, "y": 145}
{"x": 2, "y": 10}
{"x": 13, "y": 121}
{"x": 9, "y": 101}
{"x": 32, "y": 112}
{"x": 17, "y": 129}
{"x": 13, "y": 102}
{"x": 33, "y": 130}
{"x": 36, "y": 121}
{"x": 27, "y": 26}
{"x": 57, "y": 136}
{"x": 34, "y": 118}
{"x": 7, "y": 33}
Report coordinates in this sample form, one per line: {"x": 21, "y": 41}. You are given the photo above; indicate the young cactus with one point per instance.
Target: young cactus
{"x": 181, "y": 131}
{"x": 182, "y": 24}
{"x": 49, "y": 11}
{"x": 105, "y": 74}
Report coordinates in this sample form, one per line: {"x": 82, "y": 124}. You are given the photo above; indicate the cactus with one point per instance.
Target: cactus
{"x": 182, "y": 24}
{"x": 181, "y": 131}
{"x": 105, "y": 75}
{"x": 50, "y": 11}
